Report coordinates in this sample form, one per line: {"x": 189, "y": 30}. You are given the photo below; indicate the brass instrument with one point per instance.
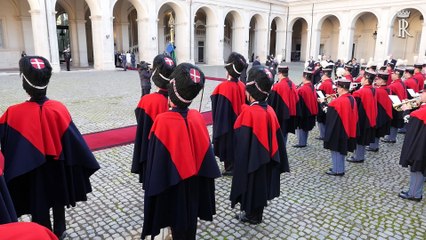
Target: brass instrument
{"x": 328, "y": 98}
{"x": 409, "y": 104}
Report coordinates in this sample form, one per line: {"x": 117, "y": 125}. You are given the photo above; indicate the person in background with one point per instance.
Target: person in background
{"x": 47, "y": 161}
{"x": 133, "y": 60}
{"x": 256, "y": 61}
{"x": 144, "y": 77}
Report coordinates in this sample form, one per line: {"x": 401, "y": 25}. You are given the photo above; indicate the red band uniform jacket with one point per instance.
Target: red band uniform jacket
{"x": 326, "y": 87}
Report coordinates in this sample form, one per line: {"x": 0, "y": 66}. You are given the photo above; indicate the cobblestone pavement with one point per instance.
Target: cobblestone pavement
{"x": 361, "y": 205}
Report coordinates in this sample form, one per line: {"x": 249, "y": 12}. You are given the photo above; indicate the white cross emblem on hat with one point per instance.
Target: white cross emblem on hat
{"x": 195, "y": 75}
{"x": 169, "y": 61}
{"x": 37, "y": 63}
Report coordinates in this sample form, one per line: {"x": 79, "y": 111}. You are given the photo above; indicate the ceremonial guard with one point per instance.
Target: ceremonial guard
{"x": 308, "y": 109}
{"x": 227, "y": 100}
{"x": 418, "y": 75}
{"x": 413, "y": 152}
{"x": 384, "y": 110}
{"x": 47, "y": 161}
{"x": 284, "y": 100}
{"x": 410, "y": 82}
{"x": 367, "y": 116}
{"x": 397, "y": 87}
{"x": 7, "y": 211}
{"x": 148, "y": 108}
{"x": 348, "y": 69}
{"x": 181, "y": 167}
{"x": 341, "y": 127}
{"x": 260, "y": 153}
{"x": 316, "y": 73}
{"x": 326, "y": 87}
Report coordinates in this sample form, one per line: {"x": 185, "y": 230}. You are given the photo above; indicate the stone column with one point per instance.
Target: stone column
{"x": 288, "y": 46}
{"x": 81, "y": 42}
{"x": 74, "y": 42}
{"x": 422, "y": 47}
{"x": 27, "y": 35}
{"x": 125, "y": 35}
{"x": 40, "y": 39}
{"x": 97, "y": 38}
{"x": 214, "y": 52}
{"x": 280, "y": 47}
{"x": 315, "y": 43}
{"x": 182, "y": 36}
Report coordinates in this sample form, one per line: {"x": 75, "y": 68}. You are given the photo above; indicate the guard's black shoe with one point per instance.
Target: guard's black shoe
{"x": 330, "y": 172}
{"x": 371, "y": 149}
{"x": 62, "y": 236}
{"x": 353, "y": 160}
{"x": 319, "y": 138}
{"x": 243, "y": 218}
{"x": 388, "y": 141}
{"x": 299, "y": 146}
{"x": 404, "y": 195}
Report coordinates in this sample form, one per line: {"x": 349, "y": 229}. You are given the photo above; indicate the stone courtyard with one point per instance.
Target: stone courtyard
{"x": 312, "y": 205}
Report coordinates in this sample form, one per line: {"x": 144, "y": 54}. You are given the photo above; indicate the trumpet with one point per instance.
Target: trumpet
{"x": 407, "y": 104}
{"x": 328, "y": 98}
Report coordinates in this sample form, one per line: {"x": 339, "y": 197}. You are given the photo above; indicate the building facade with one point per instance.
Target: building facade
{"x": 206, "y": 31}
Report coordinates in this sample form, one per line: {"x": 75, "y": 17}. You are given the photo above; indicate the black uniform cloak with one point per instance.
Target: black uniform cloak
{"x": 341, "y": 125}
{"x": 260, "y": 158}
{"x": 46, "y": 159}
{"x": 7, "y": 211}
{"x": 384, "y": 111}
{"x": 308, "y": 106}
{"x": 284, "y": 100}
{"x": 148, "y": 108}
{"x": 181, "y": 168}
{"x": 413, "y": 151}
{"x": 367, "y": 114}
{"x": 227, "y": 100}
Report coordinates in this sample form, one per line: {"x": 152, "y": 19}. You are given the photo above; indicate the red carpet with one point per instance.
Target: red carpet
{"x": 121, "y": 136}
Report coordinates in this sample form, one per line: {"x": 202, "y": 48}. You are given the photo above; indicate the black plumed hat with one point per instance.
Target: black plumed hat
{"x": 186, "y": 82}
{"x": 163, "y": 67}
{"x": 235, "y": 64}
{"x": 35, "y": 73}
{"x": 259, "y": 83}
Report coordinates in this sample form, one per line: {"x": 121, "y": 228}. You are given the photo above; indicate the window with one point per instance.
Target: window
{"x": 1, "y": 34}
